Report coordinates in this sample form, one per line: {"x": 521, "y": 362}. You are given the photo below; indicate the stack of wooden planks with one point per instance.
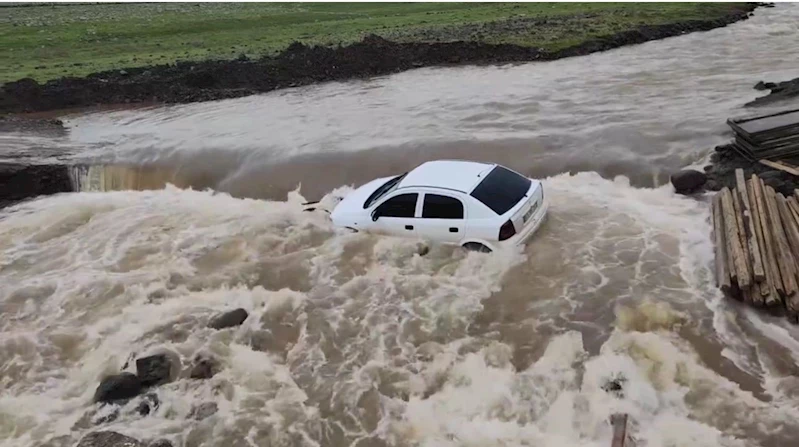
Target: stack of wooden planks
{"x": 767, "y": 137}
{"x": 756, "y": 238}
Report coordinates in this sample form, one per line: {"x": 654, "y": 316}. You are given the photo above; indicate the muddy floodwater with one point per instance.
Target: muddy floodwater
{"x": 357, "y": 340}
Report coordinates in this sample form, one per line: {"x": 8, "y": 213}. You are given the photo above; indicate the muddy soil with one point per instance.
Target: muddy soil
{"x": 19, "y": 181}
{"x": 779, "y": 91}
{"x": 724, "y": 162}
{"x": 301, "y": 65}
{"x": 38, "y": 126}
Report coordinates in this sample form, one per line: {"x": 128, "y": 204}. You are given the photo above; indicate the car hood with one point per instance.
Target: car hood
{"x": 352, "y": 203}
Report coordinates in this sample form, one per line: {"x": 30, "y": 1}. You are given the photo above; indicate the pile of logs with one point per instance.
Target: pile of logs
{"x": 756, "y": 236}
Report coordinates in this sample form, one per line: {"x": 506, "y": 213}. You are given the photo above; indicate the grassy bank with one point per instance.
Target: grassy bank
{"x": 47, "y": 42}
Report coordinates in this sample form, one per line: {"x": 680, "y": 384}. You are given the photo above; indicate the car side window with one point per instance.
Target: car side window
{"x": 442, "y": 207}
{"x": 403, "y": 205}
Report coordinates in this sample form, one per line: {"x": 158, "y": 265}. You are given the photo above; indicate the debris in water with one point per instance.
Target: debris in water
{"x": 228, "y": 319}
{"x": 108, "y": 439}
{"x": 615, "y": 386}
{"x": 154, "y": 370}
{"x": 204, "y": 368}
{"x": 688, "y": 181}
{"x": 148, "y": 404}
{"x": 204, "y": 410}
{"x": 118, "y": 387}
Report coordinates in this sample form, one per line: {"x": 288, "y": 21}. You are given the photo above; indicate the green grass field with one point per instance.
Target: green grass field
{"x": 48, "y": 41}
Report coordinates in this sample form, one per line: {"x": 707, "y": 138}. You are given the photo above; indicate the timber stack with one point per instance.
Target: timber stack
{"x": 756, "y": 238}
{"x": 768, "y": 137}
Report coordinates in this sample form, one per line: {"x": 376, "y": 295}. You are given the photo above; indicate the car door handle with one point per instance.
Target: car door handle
{"x": 409, "y": 227}
{"x": 453, "y": 229}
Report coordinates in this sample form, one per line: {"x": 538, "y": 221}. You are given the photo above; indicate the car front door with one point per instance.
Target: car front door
{"x": 395, "y": 216}
{"x": 443, "y": 218}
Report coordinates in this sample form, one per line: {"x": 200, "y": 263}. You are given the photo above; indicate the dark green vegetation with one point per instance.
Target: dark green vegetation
{"x": 49, "y": 41}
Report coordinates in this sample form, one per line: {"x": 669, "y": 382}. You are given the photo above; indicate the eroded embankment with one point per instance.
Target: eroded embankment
{"x": 303, "y": 65}
{"x": 20, "y": 181}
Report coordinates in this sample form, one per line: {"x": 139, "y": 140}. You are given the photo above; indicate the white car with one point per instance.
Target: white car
{"x": 479, "y": 206}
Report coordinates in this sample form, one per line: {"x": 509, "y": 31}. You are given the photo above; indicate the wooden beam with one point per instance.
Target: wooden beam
{"x": 756, "y": 221}
{"x": 722, "y": 262}
{"x": 749, "y": 231}
{"x": 779, "y": 166}
{"x": 739, "y": 224}
{"x": 768, "y": 239}
{"x": 744, "y": 278}
{"x": 789, "y": 225}
{"x": 793, "y": 205}
{"x": 784, "y": 257}
{"x": 621, "y": 436}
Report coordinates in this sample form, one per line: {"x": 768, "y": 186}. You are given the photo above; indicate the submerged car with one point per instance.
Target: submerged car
{"x": 479, "y": 206}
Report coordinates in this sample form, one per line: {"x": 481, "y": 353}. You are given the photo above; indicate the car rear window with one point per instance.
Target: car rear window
{"x": 501, "y": 189}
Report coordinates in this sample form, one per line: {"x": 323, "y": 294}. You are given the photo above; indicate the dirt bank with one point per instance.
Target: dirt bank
{"x": 724, "y": 161}
{"x": 302, "y": 65}
{"x": 20, "y": 181}
{"x": 779, "y": 91}
{"x": 38, "y": 126}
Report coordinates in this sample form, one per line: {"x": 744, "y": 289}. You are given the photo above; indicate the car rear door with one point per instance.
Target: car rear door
{"x": 443, "y": 217}
{"x": 396, "y": 215}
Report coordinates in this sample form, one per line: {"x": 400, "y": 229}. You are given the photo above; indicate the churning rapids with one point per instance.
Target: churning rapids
{"x": 359, "y": 340}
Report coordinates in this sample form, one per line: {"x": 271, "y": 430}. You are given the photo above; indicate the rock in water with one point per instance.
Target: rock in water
{"x": 615, "y": 386}
{"x": 688, "y": 181}
{"x": 119, "y": 387}
{"x": 108, "y": 439}
{"x": 154, "y": 370}
{"x": 204, "y": 368}
{"x": 204, "y": 410}
{"x": 161, "y": 443}
{"x": 148, "y": 404}
{"x": 228, "y": 319}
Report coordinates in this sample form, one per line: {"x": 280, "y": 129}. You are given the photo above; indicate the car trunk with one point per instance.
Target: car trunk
{"x": 529, "y": 204}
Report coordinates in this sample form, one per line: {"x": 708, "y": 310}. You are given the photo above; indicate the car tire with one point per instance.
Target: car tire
{"x": 476, "y": 246}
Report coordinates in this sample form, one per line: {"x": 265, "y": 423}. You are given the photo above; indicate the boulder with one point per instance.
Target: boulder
{"x": 204, "y": 410}
{"x": 688, "y": 181}
{"x": 228, "y": 319}
{"x": 154, "y": 370}
{"x": 108, "y": 439}
{"x": 119, "y": 387}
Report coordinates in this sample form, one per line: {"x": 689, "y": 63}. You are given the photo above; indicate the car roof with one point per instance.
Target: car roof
{"x": 458, "y": 175}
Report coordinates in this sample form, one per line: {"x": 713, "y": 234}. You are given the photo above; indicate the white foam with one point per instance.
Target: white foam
{"x": 376, "y": 341}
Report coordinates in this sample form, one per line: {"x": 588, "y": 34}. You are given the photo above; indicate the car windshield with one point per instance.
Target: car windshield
{"x": 387, "y": 187}
{"x": 501, "y": 189}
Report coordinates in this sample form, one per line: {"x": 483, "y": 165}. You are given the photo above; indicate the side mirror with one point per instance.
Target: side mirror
{"x": 375, "y": 214}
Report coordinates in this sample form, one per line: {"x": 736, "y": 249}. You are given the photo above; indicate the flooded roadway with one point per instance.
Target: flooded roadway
{"x": 357, "y": 340}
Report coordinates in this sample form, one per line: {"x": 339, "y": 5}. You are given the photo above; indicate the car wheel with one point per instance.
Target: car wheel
{"x": 476, "y": 246}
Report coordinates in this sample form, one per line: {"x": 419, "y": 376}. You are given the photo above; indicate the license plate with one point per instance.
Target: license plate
{"x": 529, "y": 212}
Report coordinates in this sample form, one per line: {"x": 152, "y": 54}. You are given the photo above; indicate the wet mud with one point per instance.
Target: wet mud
{"x": 778, "y": 92}
{"x": 23, "y": 181}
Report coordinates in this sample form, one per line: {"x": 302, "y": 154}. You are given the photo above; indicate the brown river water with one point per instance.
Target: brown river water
{"x": 357, "y": 340}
